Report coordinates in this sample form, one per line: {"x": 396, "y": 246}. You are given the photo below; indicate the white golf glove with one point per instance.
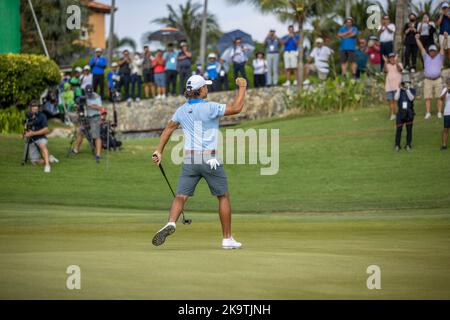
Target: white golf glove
{"x": 213, "y": 163}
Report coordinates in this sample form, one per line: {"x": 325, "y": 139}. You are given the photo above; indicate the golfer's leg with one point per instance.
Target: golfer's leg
{"x": 225, "y": 215}
{"x": 177, "y": 206}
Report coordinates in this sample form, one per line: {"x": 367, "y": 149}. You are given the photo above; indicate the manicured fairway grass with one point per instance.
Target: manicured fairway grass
{"x": 342, "y": 200}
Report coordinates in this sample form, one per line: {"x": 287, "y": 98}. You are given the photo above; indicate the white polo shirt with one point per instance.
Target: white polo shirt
{"x": 321, "y": 57}
{"x": 386, "y": 36}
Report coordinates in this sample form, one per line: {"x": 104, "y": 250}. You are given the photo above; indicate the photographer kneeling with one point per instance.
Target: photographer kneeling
{"x": 36, "y": 143}
{"x": 92, "y": 112}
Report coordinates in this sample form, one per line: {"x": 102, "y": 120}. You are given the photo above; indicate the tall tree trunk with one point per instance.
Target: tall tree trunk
{"x": 111, "y": 32}
{"x": 348, "y": 8}
{"x": 203, "y": 34}
{"x": 300, "y": 53}
{"x": 400, "y": 14}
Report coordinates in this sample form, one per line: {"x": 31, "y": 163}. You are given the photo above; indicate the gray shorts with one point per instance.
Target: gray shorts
{"x": 94, "y": 127}
{"x": 34, "y": 153}
{"x": 194, "y": 168}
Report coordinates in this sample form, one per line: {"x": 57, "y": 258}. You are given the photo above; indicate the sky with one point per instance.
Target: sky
{"x": 133, "y": 17}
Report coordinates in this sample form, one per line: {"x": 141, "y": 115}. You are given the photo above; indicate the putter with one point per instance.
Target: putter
{"x": 185, "y": 221}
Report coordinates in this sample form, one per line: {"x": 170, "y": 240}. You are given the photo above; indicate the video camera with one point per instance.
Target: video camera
{"x": 28, "y": 122}
{"x": 81, "y": 102}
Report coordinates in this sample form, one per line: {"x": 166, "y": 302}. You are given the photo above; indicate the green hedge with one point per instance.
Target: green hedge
{"x": 11, "y": 120}
{"x": 23, "y": 77}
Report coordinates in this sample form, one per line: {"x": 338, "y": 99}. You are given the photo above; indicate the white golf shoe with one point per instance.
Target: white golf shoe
{"x": 427, "y": 116}
{"x": 163, "y": 233}
{"x": 47, "y": 169}
{"x": 439, "y": 115}
{"x": 52, "y": 159}
{"x": 230, "y": 243}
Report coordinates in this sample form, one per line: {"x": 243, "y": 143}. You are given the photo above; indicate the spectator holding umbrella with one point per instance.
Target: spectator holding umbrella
{"x": 348, "y": 34}
{"x": 148, "y": 73}
{"x": 159, "y": 64}
{"x": 373, "y": 51}
{"x": 239, "y": 59}
{"x": 98, "y": 63}
{"x": 136, "y": 76}
{"x": 433, "y": 62}
{"x": 444, "y": 26}
{"x": 125, "y": 74}
{"x": 184, "y": 63}
{"x": 411, "y": 48}
{"x": 386, "y": 34}
{"x": 171, "y": 58}
{"x": 290, "y": 55}
{"x": 272, "y": 44}
{"x": 259, "y": 70}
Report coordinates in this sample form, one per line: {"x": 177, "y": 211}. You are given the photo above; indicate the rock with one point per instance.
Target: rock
{"x": 60, "y": 133}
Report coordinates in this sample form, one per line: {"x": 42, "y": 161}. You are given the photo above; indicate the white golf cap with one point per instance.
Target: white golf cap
{"x": 212, "y": 55}
{"x": 98, "y": 50}
{"x": 78, "y": 69}
{"x": 87, "y": 67}
{"x": 319, "y": 40}
{"x": 196, "y": 82}
{"x": 432, "y": 47}
{"x": 445, "y": 5}
{"x": 114, "y": 64}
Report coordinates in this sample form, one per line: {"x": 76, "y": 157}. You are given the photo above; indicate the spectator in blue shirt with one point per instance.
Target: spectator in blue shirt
{"x": 348, "y": 34}
{"x": 290, "y": 55}
{"x": 444, "y": 25}
{"x": 212, "y": 70}
{"x": 113, "y": 79}
{"x": 171, "y": 57}
{"x": 98, "y": 64}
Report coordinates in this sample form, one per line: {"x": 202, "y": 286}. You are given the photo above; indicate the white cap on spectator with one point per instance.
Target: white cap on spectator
{"x": 212, "y": 55}
{"x": 114, "y": 64}
{"x": 196, "y": 82}
{"x": 445, "y": 5}
{"x": 432, "y": 47}
{"x": 78, "y": 69}
{"x": 86, "y": 67}
{"x": 319, "y": 40}
{"x": 98, "y": 50}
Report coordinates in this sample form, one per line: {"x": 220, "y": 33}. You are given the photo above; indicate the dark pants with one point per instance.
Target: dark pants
{"x": 222, "y": 84}
{"x": 171, "y": 81}
{"x": 136, "y": 80}
{"x": 410, "y": 58}
{"x": 184, "y": 75}
{"x": 259, "y": 80}
{"x": 398, "y": 134}
{"x": 125, "y": 80}
{"x": 385, "y": 49}
{"x": 215, "y": 86}
{"x": 239, "y": 68}
{"x": 99, "y": 80}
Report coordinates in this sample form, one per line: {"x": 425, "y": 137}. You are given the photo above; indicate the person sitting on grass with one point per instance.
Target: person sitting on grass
{"x": 36, "y": 146}
{"x": 405, "y": 116}
{"x": 393, "y": 70}
{"x": 75, "y": 82}
{"x": 445, "y": 95}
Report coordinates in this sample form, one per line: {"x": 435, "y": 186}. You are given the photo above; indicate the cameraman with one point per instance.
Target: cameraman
{"x": 92, "y": 113}
{"x": 35, "y": 132}
{"x": 405, "y": 115}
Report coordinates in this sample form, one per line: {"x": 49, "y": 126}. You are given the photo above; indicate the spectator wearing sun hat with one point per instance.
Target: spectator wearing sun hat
{"x": 259, "y": 70}
{"x": 212, "y": 71}
{"x": 98, "y": 65}
{"x": 86, "y": 78}
{"x": 318, "y": 60}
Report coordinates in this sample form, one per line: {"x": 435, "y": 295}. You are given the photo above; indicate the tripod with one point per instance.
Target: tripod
{"x": 84, "y": 127}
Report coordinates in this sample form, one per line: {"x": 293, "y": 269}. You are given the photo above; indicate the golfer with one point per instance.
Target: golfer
{"x": 199, "y": 120}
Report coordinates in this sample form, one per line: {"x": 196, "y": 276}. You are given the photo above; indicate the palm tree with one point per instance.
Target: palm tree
{"x": 431, "y": 7}
{"x": 401, "y": 16}
{"x": 296, "y": 11}
{"x": 390, "y": 9}
{"x": 188, "y": 19}
{"x": 358, "y": 11}
{"x": 122, "y": 42}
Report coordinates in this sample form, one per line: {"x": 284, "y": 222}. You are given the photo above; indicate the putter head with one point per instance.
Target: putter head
{"x": 187, "y": 221}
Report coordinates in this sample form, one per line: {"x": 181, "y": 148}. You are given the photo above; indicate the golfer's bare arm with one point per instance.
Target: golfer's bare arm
{"x": 238, "y": 103}
{"x": 165, "y": 135}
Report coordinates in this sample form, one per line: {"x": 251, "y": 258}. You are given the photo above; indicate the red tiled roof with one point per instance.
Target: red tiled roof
{"x": 98, "y": 6}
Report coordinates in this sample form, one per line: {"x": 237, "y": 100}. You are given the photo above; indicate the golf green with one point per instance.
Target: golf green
{"x": 342, "y": 201}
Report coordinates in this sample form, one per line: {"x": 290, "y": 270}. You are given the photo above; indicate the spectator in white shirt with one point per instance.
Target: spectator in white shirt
{"x": 260, "y": 69}
{"x": 317, "y": 62}
{"x": 136, "y": 76}
{"x": 86, "y": 78}
{"x": 386, "y": 34}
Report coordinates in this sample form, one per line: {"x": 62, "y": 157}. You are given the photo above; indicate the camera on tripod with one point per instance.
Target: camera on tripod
{"x": 28, "y": 122}
{"x": 81, "y": 102}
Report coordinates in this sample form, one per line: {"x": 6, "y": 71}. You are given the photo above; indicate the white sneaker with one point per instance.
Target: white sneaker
{"x": 138, "y": 100}
{"x": 413, "y": 70}
{"x": 392, "y": 117}
{"x": 163, "y": 233}
{"x": 231, "y": 244}
{"x": 295, "y": 83}
{"x": 52, "y": 159}
{"x": 47, "y": 169}
{"x": 427, "y": 116}
{"x": 439, "y": 115}
{"x": 163, "y": 97}
{"x": 287, "y": 83}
